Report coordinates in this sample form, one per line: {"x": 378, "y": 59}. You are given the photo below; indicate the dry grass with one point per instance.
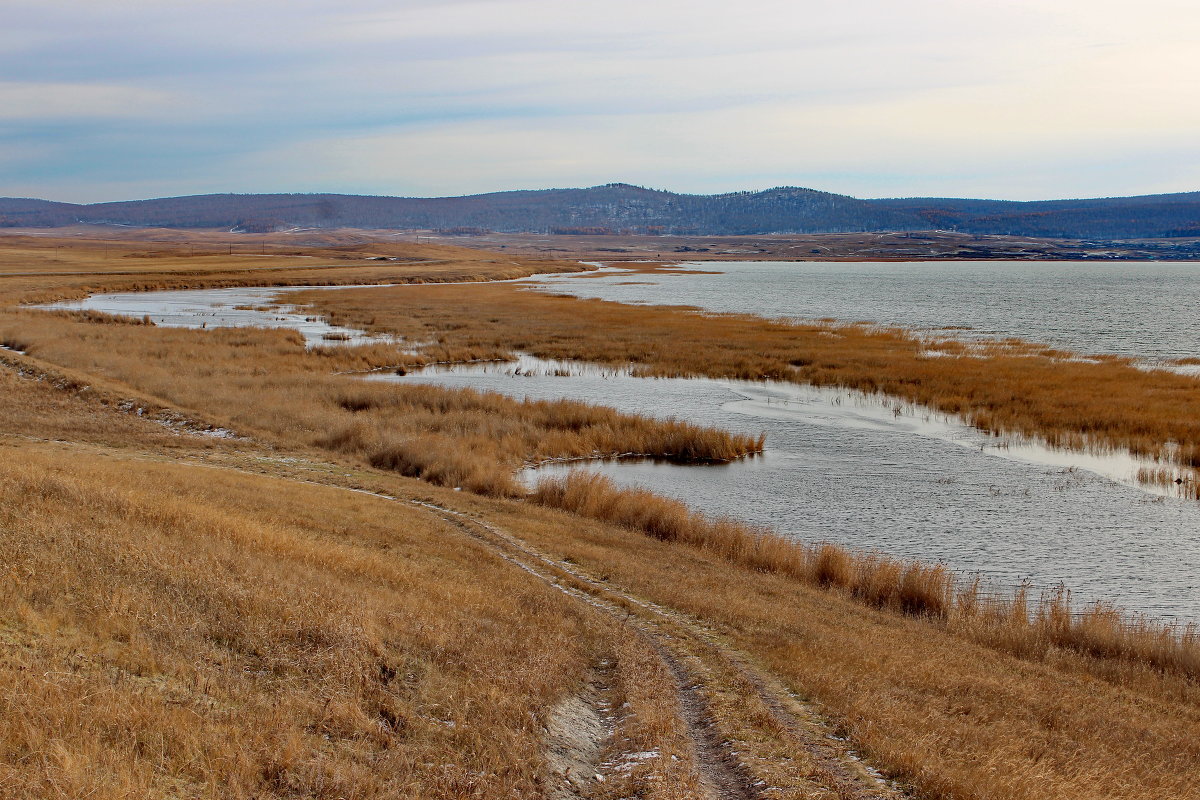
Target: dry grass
{"x": 953, "y": 715}
{"x": 194, "y": 634}
{"x": 67, "y": 406}
{"x": 71, "y": 264}
{"x": 1010, "y": 387}
{"x": 188, "y": 632}
{"x": 234, "y": 691}
{"x": 643, "y": 682}
{"x": 910, "y": 587}
{"x": 265, "y": 383}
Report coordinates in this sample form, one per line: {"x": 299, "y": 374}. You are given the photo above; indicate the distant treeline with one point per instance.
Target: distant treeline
{"x": 619, "y": 208}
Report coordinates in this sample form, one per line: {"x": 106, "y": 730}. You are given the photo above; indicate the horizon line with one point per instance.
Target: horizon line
{"x": 595, "y": 186}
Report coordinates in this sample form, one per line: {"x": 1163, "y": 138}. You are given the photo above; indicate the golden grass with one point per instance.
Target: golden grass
{"x": 265, "y": 383}
{"x": 910, "y": 587}
{"x": 188, "y": 632}
{"x": 233, "y": 691}
{"x": 954, "y": 716}
{"x": 475, "y": 440}
{"x": 1012, "y": 387}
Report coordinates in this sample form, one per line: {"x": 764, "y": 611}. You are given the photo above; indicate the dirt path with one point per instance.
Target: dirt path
{"x": 704, "y": 667}
{"x": 721, "y": 773}
{"x": 575, "y": 735}
{"x": 751, "y": 738}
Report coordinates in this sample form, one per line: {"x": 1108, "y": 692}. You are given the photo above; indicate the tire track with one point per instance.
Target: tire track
{"x": 721, "y": 774}
{"x": 692, "y": 654}
{"x": 675, "y": 637}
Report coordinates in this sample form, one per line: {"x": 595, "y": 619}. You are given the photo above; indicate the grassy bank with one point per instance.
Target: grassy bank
{"x": 289, "y": 614}
{"x": 190, "y": 634}
{"x": 956, "y": 717}
{"x": 1012, "y": 387}
{"x": 1028, "y": 627}
{"x": 154, "y": 645}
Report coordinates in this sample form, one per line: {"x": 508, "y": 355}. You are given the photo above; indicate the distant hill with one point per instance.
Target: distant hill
{"x": 621, "y": 208}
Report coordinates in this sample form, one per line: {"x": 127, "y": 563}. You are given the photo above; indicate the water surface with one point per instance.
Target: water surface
{"x": 1147, "y": 310}
{"x": 846, "y": 468}
{"x": 241, "y": 307}
{"x": 853, "y": 469}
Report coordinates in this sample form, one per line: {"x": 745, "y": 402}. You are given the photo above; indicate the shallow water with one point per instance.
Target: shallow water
{"x": 1146, "y": 310}
{"x": 848, "y": 469}
{"x": 222, "y": 308}
{"x": 839, "y": 467}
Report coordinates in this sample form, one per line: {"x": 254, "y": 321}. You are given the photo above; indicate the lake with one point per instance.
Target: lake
{"x": 1148, "y": 310}
{"x": 846, "y": 468}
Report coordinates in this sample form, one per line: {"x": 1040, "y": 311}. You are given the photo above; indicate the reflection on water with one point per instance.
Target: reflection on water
{"x": 222, "y": 308}
{"x": 1141, "y": 309}
{"x": 842, "y": 467}
{"x": 864, "y": 473}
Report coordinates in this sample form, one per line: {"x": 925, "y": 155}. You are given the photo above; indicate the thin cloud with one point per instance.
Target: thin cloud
{"x": 60, "y": 101}
{"x": 1017, "y": 98}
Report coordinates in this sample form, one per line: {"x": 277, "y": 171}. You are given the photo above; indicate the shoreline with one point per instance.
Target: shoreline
{"x": 883, "y": 403}
{"x": 437, "y": 630}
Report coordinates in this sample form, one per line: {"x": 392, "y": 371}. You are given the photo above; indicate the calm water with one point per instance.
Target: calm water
{"x": 243, "y": 307}
{"x": 1148, "y": 310}
{"x": 848, "y": 469}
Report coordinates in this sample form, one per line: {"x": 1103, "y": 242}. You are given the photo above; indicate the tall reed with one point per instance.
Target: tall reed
{"x": 910, "y": 587}
{"x": 1003, "y": 387}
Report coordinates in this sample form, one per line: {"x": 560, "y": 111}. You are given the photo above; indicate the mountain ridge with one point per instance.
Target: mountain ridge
{"x": 628, "y": 209}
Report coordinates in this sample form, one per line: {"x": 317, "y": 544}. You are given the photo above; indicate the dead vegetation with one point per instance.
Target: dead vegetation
{"x": 954, "y": 717}
{"x": 185, "y": 631}
{"x": 203, "y": 635}
{"x": 1025, "y": 627}
{"x": 1012, "y": 387}
{"x": 85, "y": 260}
{"x": 265, "y": 383}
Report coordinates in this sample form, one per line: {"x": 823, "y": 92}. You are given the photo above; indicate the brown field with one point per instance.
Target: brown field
{"x": 36, "y": 267}
{"x": 286, "y": 614}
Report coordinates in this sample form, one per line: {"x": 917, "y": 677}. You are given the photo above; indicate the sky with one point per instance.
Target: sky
{"x": 1014, "y": 99}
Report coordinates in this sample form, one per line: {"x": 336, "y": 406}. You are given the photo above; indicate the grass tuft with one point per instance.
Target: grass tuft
{"x": 909, "y": 587}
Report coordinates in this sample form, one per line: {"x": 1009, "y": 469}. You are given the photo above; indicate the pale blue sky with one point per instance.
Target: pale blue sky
{"x": 1021, "y": 99}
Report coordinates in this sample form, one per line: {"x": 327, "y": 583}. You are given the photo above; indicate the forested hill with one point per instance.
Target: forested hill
{"x": 621, "y": 208}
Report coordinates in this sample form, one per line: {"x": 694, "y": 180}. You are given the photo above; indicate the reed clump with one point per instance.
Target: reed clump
{"x": 267, "y": 384}
{"x": 910, "y": 587}
{"x": 1003, "y": 387}
{"x": 1034, "y": 628}
{"x": 100, "y": 317}
{"x": 476, "y": 439}
{"x": 879, "y": 580}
